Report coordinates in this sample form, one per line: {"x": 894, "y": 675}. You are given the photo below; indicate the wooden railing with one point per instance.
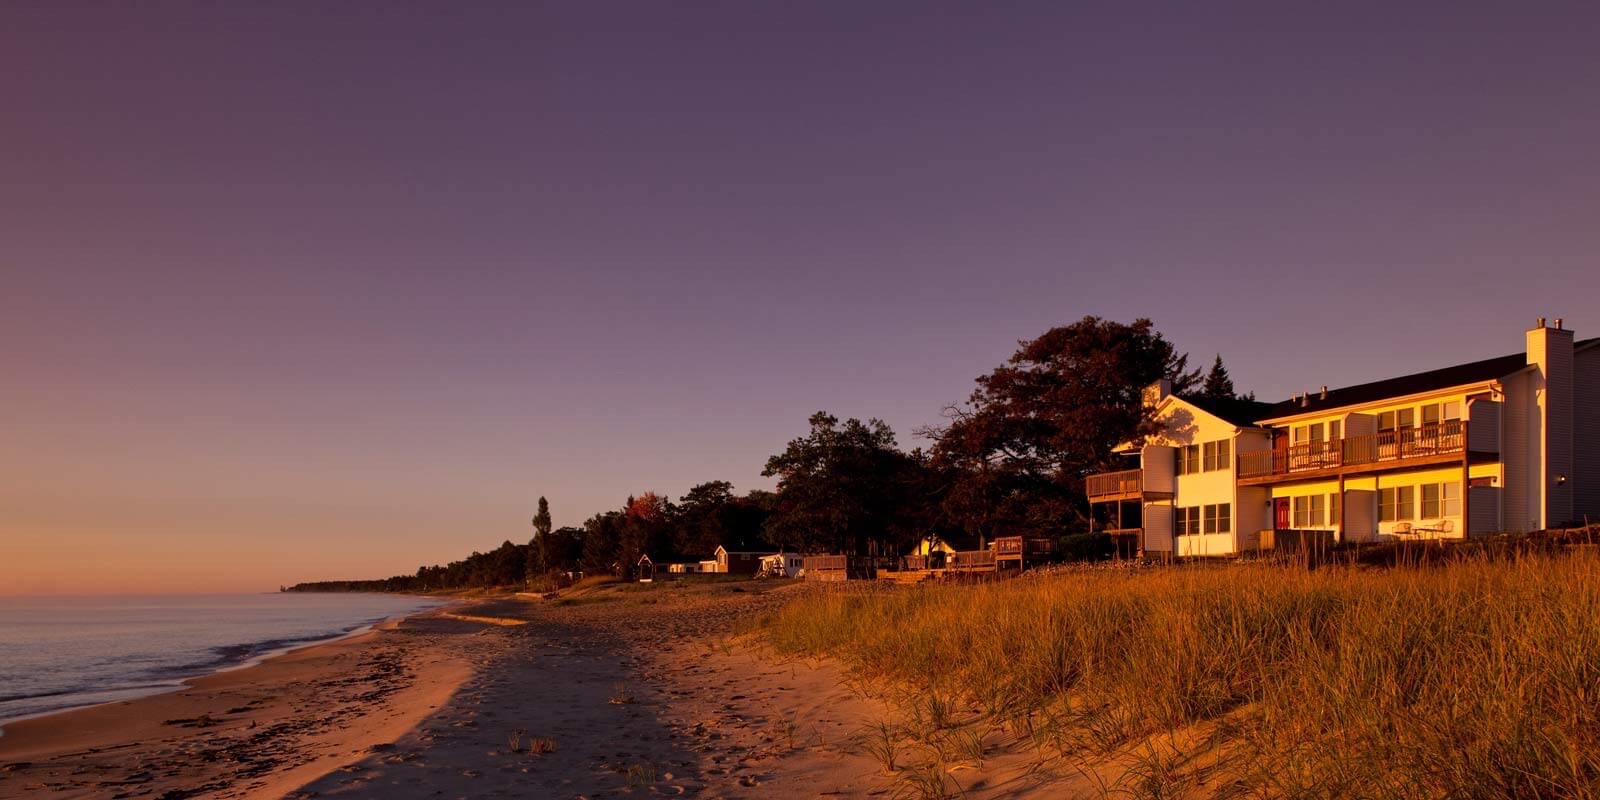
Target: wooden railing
{"x": 972, "y": 560}
{"x": 1019, "y": 545}
{"x": 813, "y": 563}
{"x": 1441, "y": 438}
{"x": 1115, "y": 484}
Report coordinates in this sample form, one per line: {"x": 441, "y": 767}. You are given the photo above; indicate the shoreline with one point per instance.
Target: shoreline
{"x": 253, "y": 730}
{"x": 178, "y": 683}
{"x": 626, "y": 689}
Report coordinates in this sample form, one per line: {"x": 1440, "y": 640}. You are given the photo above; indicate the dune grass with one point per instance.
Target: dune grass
{"x": 1471, "y": 679}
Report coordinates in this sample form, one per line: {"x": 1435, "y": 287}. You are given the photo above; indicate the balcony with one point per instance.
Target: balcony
{"x": 1107, "y": 486}
{"x": 1439, "y": 443}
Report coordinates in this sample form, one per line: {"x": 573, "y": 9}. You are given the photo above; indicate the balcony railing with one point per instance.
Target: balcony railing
{"x": 1441, "y": 438}
{"x": 1115, "y": 484}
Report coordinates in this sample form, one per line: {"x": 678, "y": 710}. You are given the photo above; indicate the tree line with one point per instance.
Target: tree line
{"x": 1009, "y": 460}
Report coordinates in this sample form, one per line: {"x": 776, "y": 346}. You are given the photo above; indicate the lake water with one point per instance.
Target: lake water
{"x": 63, "y": 652}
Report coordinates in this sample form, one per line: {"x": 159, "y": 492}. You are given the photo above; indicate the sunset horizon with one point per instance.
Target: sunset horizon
{"x": 912, "y": 399}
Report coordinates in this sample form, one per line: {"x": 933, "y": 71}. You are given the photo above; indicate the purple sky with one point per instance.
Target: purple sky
{"x": 329, "y": 292}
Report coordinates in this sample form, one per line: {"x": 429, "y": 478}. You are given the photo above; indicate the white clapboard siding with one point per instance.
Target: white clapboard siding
{"x": 1158, "y": 528}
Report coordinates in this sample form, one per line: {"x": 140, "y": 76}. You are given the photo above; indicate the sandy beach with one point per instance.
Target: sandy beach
{"x": 618, "y": 693}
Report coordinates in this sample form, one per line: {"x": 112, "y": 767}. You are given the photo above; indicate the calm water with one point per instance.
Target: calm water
{"x": 63, "y": 652}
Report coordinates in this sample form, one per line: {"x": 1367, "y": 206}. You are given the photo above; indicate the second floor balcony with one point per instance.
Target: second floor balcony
{"x": 1441, "y": 442}
{"x": 1127, "y": 484}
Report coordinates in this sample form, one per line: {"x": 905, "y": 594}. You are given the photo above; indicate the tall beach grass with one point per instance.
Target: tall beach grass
{"x": 1472, "y": 679}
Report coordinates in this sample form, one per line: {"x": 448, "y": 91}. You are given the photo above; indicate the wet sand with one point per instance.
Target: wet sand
{"x": 623, "y": 692}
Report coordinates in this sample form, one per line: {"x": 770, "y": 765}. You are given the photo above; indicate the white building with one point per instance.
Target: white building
{"x": 1182, "y": 497}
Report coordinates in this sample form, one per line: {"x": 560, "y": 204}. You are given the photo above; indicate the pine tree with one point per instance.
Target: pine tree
{"x": 539, "y": 548}
{"x": 1218, "y": 384}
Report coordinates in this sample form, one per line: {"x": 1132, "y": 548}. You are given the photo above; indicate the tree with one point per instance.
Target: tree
{"x": 1218, "y": 384}
{"x": 644, "y": 530}
{"x": 539, "y": 555}
{"x": 840, "y": 489}
{"x": 1016, "y": 453}
{"x": 602, "y": 534}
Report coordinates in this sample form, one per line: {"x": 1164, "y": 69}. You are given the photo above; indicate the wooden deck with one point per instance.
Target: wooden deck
{"x": 1430, "y": 445}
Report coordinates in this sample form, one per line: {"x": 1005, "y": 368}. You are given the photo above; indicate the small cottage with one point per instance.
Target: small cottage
{"x": 739, "y": 562}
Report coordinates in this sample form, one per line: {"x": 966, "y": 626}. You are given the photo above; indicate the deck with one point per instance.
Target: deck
{"x": 1430, "y": 445}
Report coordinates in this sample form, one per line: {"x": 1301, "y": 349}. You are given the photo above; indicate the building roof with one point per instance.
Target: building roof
{"x": 1234, "y": 410}
{"x": 1417, "y": 383}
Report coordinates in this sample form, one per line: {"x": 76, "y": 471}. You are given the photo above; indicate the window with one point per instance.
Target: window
{"x": 1308, "y": 511}
{"x": 1441, "y": 500}
{"x": 1218, "y": 455}
{"x": 1396, "y": 503}
{"x": 1308, "y": 433}
{"x": 1335, "y": 430}
{"x": 1436, "y": 413}
{"x": 1188, "y": 459}
{"x": 1335, "y": 510}
{"x": 1219, "y": 518}
{"x": 1396, "y": 420}
{"x": 1186, "y": 520}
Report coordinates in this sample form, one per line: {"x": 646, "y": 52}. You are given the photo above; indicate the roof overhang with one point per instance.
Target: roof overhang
{"x": 1491, "y": 385}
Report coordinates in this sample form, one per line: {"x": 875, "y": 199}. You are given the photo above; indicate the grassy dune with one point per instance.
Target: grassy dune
{"x": 1471, "y": 679}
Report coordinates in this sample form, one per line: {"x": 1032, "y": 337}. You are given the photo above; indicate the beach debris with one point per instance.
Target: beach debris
{"x": 620, "y": 695}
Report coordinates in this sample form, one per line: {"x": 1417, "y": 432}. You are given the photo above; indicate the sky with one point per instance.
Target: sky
{"x": 317, "y": 291}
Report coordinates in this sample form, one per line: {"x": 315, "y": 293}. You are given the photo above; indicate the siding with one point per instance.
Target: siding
{"x": 1483, "y": 429}
{"x": 1485, "y": 509}
{"x": 1252, "y": 513}
{"x": 1519, "y": 452}
{"x": 1157, "y": 528}
{"x": 1558, "y": 427}
{"x": 1586, "y": 435}
{"x": 1160, "y": 466}
{"x": 1360, "y": 515}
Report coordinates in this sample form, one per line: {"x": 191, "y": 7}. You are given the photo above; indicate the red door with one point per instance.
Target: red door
{"x": 1280, "y": 513}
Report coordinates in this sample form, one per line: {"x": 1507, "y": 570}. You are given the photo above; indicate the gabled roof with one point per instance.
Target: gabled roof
{"x": 1417, "y": 383}
{"x": 1237, "y": 411}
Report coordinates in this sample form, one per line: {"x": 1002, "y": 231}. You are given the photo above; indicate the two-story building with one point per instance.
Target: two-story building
{"x": 1503, "y": 444}
{"x": 1182, "y": 496}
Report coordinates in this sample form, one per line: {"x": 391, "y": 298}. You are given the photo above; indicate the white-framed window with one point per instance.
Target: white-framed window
{"x": 1435, "y": 413}
{"x": 1398, "y": 419}
{"x": 1219, "y": 518}
{"x": 1335, "y": 430}
{"x": 1186, "y": 520}
{"x": 1188, "y": 459}
{"x": 1441, "y": 500}
{"x": 1217, "y": 455}
{"x": 1396, "y": 503}
{"x": 1309, "y": 510}
{"x": 1335, "y": 510}
{"x": 1307, "y": 433}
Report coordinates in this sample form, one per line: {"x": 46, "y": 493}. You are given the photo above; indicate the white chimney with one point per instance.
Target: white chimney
{"x": 1550, "y": 353}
